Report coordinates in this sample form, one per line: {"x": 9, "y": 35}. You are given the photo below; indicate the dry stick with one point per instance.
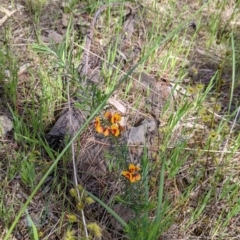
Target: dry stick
{"x": 74, "y": 162}
{"x": 231, "y": 130}
{"x": 8, "y": 14}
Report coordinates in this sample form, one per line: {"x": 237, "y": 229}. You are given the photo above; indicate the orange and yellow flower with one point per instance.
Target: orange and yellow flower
{"x": 115, "y": 118}
{"x": 97, "y": 122}
{"x": 98, "y": 126}
{"x": 115, "y": 130}
{"x": 132, "y": 168}
{"x": 132, "y": 174}
{"x": 111, "y": 126}
{"x": 99, "y": 129}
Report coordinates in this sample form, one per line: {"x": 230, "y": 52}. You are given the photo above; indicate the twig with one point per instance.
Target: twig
{"x": 231, "y": 130}
{"x": 74, "y": 162}
{"x": 8, "y": 14}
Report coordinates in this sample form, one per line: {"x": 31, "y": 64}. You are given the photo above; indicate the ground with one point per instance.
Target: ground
{"x": 144, "y": 144}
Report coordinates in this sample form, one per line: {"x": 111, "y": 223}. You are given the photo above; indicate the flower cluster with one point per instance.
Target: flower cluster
{"x": 109, "y": 125}
{"x": 132, "y": 174}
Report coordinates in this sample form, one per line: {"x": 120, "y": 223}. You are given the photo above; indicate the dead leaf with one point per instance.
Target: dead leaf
{"x": 8, "y": 14}
{"x": 117, "y": 105}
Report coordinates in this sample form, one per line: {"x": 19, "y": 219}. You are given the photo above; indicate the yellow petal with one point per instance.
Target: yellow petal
{"x": 131, "y": 168}
{"x": 136, "y": 177}
{"x": 97, "y": 122}
{"x": 99, "y": 129}
{"x": 115, "y": 130}
{"x": 106, "y": 132}
{"x": 115, "y": 118}
{"x": 127, "y": 174}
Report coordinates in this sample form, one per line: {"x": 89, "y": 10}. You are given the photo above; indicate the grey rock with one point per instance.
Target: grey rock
{"x": 6, "y": 125}
{"x": 62, "y": 128}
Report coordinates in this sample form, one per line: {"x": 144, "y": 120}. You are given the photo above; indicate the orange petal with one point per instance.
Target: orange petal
{"x": 97, "y": 122}
{"x": 99, "y": 129}
{"x": 106, "y": 132}
{"x": 115, "y": 130}
{"x": 127, "y": 174}
{"x": 131, "y": 168}
{"x": 115, "y": 118}
{"x": 135, "y": 177}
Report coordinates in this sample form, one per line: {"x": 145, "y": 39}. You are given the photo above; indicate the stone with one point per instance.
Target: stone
{"x": 6, "y": 125}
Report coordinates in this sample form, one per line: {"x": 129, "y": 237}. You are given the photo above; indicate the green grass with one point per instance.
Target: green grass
{"x": 189, "y": 189}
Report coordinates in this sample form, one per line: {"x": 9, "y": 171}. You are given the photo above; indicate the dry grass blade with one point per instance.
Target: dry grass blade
{"x": 74, "y": 162}
{"x": 8, "y": 14}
